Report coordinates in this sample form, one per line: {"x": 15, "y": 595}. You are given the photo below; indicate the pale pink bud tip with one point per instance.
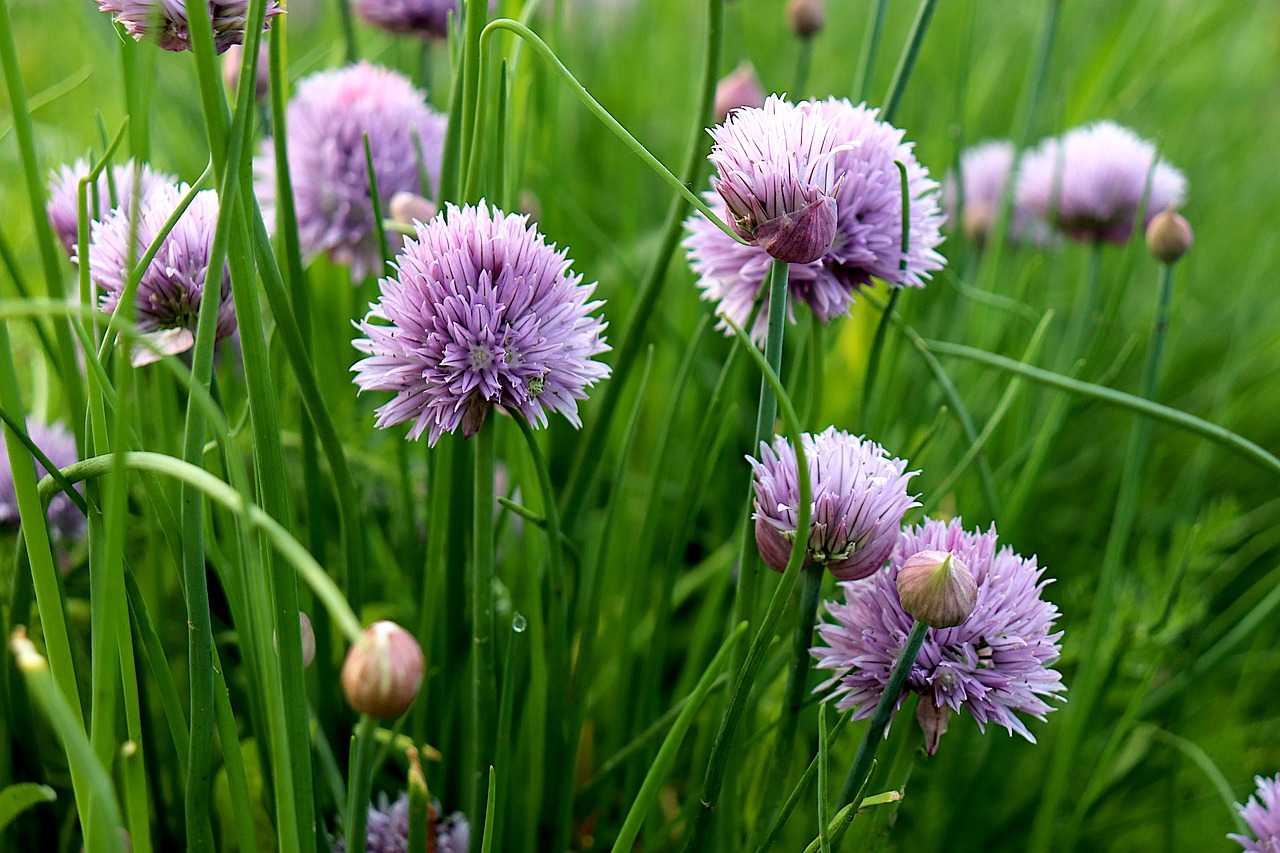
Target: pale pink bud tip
{"x": 937, "y": 588}
{"x": 307, "y": 634}
{"x": 1169, "y": 236}
{"x": 409, "y": 208}
{"x": 806, "y": 17}
{"x": 738, "y": 90}
{"x": 383, "y": 671}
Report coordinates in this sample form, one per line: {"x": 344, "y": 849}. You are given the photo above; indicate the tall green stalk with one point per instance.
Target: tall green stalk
{"x": 870, "y": 44}
{"x": 483, "y": 674}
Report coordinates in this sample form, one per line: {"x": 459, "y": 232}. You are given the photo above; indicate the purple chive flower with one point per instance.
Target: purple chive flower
{"x": 868, "y": 238}
{"x": 985, "y": 170}
{"x": 1262, "y": 813}
{"x": 859, "y": 498}
{"x": 426, "y": 18}
{"x": 328, "y": 119}
{"x": 63, "y": 207}
{"x": 168, "y": 296}
{"x": 775, "y": 173}
{"x": 993, "y": 664}
{"x": 1091, "y": 182}
{"x": 166, "y": 20}
{"x": 65, "y": 521}
{"x": 387, "y": 829}
{"x": 482, "y": 312}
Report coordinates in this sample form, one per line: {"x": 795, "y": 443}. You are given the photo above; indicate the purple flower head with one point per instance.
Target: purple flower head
{"x": 482, "y": 312}
{"x": 426, "y": 18}
{"x": 985, "y": 170}
{"x": 387, "y": 829}
{"x": 1091, "y": 182}
{"x": 168, "y": 296}
{"x": 859, "y": 498}
{"x": 328, "y": 119}
{"x": 775, "y": 172}
{"x": 166, "y": 20}
{"x": 738, "y": 90}
{"x": 63, "y": 207}
{"x": 993, "y": 664}
{"x": 65, "y": 521}
{"x": 868, "y": 238}
{"x": 1262, "y": 814}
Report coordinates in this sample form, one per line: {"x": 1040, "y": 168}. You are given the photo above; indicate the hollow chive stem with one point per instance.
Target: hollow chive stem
{"x": 766, "y": 414}
{"x": 744, "y": 678}
{"x": 855, "y": 783}
{"x": 870, "y": 44}
{"x": 360, "y": 781}
{"x": 483, "y": 677}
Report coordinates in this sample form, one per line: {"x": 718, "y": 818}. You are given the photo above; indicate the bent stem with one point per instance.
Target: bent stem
{"x": 717, "y": 763}
{"x": 855, "y": 783}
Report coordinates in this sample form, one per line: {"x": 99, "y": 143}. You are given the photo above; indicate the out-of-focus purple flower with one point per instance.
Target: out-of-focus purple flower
{"x": 66, "y": 522}
{"x": 1262, "y": 814}
{"x": 1091, "y": 182}
{"x": 231, "y": 62}
{"x": 482, "y": 312}
{"x": 328, "y": 119}
{"x": 169, "y": 294}
{"x": 985, "y": 170}
{"x": 859, "y": 498}
{"x": 993, "y": 664}
{"x": 775, "y": 172}
{"x": 63, "y": 206}
{"x": 738, "y": 90}
{"x": 426, "y": 18}
{"x": 166, "y": 20}
{"x": 387, "y": 829}
{"x": 868, "y": 238}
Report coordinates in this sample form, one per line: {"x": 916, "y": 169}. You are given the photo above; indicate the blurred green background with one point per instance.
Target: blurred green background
{"x": 1199, "y": 77}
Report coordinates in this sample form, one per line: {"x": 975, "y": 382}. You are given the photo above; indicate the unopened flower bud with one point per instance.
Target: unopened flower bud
{"x": 937, "y": 588}
{"x": 383, "y": 671}
{"x": 1169, "y": 236}
{"x": 737, "y": 90}
{"x": 801, "y": 237}
{"x": 806, "y": 17}
{"x": 408, "y": 208}
{"x": 231, "y": 61}
{"x": 977, "y": 221}
{"x": 307, "y": 634}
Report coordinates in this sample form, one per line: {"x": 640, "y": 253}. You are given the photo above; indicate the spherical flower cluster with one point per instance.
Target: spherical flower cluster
{"x": 65, "y": 520}
{"x": 985, "y": 170}
{"x": 1262, "y": 814}
{"x": 63, "y": 208}
{"x": 859, "y": 498}
{"x": 168, "y": 296}
{"x": 775, "y": 172}
{"x": 1091, "y": 182}
{"x": 868, "y": 235}
{"x": 328, "y": 120}
{"x": 426, "y": 18}
{"x": 387, "y": 829}
{"x": 482, "y": 312}
{"x": 166, "y": 20}
{"x": 993, "y": 665}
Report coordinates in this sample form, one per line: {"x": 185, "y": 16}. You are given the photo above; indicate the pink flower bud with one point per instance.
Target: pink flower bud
{"x": 806, "y": 17}
{"x": 308, "y": 637}
{"x": 937, "y": 588}
{"x": 408, "y": 208}
{"x": 383, "y": 671}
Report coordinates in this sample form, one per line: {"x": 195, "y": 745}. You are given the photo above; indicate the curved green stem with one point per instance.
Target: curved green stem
{"x": 717, "y": 764}
{"x": 907, "y": 62}
{"x": 542, "y": 49}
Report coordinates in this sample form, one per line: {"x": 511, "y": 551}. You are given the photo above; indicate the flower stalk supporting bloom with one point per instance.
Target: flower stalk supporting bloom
{"x": 483, "y": 672}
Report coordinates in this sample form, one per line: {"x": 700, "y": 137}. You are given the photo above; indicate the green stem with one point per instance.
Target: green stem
{"x": 360, "y": 781}
{"x": 766, "y": 413}
{"x": 483, "y": 677}
{"x": 803, "y": 63}
{"x": 587, "y": 462}
{"x": 907, "y": 61}
{"x": 744, "y": 679}
{"x": 859, "y": 773}
{"x": 473, "y": 60}
{"x": 793, "y": 799}
{"x": 867, "y": 58}
{"x": 666, "y": 757}
{"x": 351, "y": 48}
